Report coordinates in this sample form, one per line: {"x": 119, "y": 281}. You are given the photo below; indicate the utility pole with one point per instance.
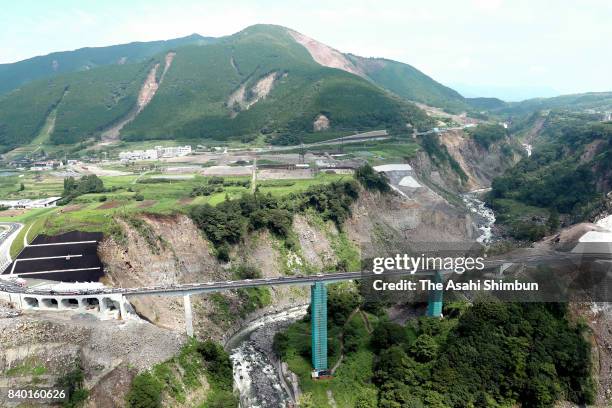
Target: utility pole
{"x": 254, "y": 176}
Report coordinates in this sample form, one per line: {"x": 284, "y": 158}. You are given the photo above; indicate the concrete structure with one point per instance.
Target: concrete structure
{"x": 45, "y": 165}
{"x": 318, "y": 321}
{"x": 434, "y": 305}
{"x": 28, "y": 203}
{"x": 188, "y": 315}
{"x": 155, "y": 153}
{"x": 110, "y": 306}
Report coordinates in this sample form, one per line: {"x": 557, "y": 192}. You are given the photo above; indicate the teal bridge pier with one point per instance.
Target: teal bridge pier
{"x": 318, "y": 322}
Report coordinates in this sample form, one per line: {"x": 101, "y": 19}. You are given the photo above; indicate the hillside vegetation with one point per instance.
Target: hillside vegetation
{"x": 568, "y": 174}
{"x": 488, "y": 354}
{"x": 17, "y": 74}
{"x": 409, "y": 83}
{"x": 84, "y": 103}
{"x": 258, "y": 81}
{"x": 194, "y": 100}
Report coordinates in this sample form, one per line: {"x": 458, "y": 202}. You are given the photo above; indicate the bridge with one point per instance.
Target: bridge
{"x": 112, "y": 302}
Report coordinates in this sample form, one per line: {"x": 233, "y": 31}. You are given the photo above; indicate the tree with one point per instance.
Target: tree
{"x": 372, "y": 180}
{"x": 387, "y": 334}
{"x": 305, "y": 401}
{"x": 424, "y": 348}
{"x": 341, "y": 301}
{"x": 145, "y": 392}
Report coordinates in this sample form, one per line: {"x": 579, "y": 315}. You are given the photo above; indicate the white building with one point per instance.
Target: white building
{"x": 42, "y": 165}
{"x": 27, "y": 203}
{"x": 155, "y": 153}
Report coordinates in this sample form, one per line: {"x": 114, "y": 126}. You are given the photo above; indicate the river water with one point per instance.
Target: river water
{"x": 485, "y": 217}
{"x": 256, "y": 373}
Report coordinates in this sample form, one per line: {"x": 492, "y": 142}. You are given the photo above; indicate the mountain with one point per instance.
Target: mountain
{"x": 595, "y": 101}
{"x": 265, "y": 79}
{"x": 16, "y": 74}
{"x": 409, "y": 83}
{"x": 567, "y": 175}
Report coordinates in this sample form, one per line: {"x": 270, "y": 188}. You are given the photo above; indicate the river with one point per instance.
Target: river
{"x": 256, "y": 372}
{"x": 485, "y": 217}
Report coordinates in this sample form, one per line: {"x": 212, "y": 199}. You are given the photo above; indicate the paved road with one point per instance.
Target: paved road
{"x": 6, "y": 240}
{"x": 206, "y": 287}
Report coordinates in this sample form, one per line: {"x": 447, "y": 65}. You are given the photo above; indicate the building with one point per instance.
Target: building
{"x": 28, "y": 203}
{"x": 155, "y": 153}
{"x": 44, "y": 165}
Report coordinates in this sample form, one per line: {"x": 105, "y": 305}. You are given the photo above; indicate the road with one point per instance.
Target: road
{"x": 374, "y": 135}
{"x": 207, "y": 287}
{"x": 6, "y": 240}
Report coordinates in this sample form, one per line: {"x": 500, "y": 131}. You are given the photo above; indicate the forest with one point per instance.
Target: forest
{"x": 482, "y": 354}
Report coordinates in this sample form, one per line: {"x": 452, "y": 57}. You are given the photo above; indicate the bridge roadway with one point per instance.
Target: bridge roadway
{"x": 207, "y": 287}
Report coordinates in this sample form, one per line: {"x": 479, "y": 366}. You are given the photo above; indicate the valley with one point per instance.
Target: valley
{"x": 190, "y": 222}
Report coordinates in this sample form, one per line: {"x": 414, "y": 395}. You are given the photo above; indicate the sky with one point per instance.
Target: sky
{"x": 510, "y": 49}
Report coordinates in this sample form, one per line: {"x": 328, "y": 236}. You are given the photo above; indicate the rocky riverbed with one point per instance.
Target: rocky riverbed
{"x": 485, "y": 217}
{"x": 259, "y": 377}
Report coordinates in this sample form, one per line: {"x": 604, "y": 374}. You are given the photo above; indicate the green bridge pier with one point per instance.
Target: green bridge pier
{"x": 318, "y": 321}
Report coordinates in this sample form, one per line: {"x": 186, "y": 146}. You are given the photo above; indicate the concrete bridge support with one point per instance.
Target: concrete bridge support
{"x": 434, "y": 307}
{"x": 318, "y": 321}
{"x": 111, "y": 306}
{"x": 188, "y": 315}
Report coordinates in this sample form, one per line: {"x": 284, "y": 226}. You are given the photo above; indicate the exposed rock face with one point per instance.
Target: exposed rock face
{"x": 314, "y": 243}
{"x": 109, "y": 352}
{"x": 145, "y": 96}
{"x": 326, "y": 55}
{"x": 243, "y": 98}
{"x": 182, "y": 256}
{"x": 382, "y": 222}
{"x": 320, "y": 123}
{"x": 481, "y": 165}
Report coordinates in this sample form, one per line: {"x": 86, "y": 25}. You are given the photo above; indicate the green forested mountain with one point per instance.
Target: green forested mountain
{"x": 19, "y": 73}
{"x": 257, "y": 81}
{"x": 86, "y": 102}
{"x": 219, "y": 91}
{"x": 567, "y": 175}
{"x": 595, "y": 101}
{"x": 409, "y": 83}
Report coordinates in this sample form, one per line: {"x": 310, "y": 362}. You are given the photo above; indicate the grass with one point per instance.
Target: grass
{"x": 510, "y": 210}
{"x": 353, "y": 374}
{"x": 28, "y": 367}
{"x": 36, "y": 185}
{"x": 34, "y": 222}
{"x": 96, "y": 212}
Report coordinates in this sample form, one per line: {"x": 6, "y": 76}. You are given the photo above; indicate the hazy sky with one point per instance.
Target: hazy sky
{"x": 536, "y": 45}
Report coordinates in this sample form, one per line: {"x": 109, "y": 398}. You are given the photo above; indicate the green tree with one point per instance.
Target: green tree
{"x": 372, "y": 180}
{"x": 145, "y": 392}
{"x": 424, "y": 348}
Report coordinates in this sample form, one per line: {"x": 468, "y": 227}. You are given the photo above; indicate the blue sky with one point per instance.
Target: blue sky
{"x": 533, "y": 48}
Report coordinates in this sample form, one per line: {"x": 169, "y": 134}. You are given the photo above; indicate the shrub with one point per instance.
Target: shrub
{"x": 145, "y": 392}
{"x": 372, "y": 180}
